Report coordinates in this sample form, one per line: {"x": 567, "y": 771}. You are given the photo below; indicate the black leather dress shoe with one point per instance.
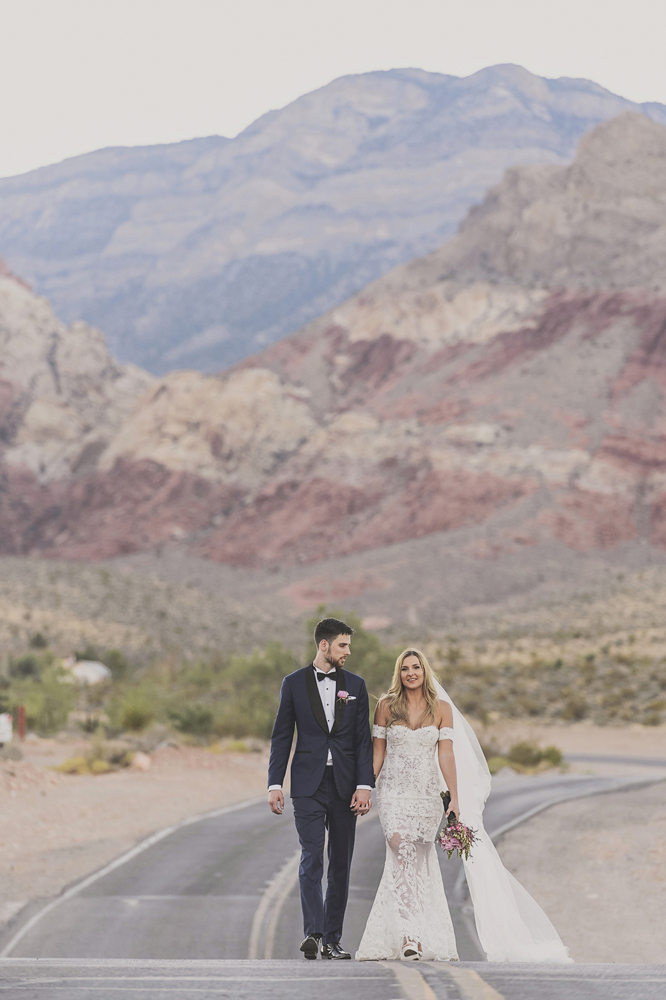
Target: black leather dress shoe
{"x": 310, "y": 946}
{"x": 333, "y": 951}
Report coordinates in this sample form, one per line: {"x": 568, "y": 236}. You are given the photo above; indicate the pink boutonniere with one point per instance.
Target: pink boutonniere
{"x": 345, "y": 697}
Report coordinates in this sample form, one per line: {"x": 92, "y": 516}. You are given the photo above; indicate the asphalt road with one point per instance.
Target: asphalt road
{"x": 46, "y": 979}
{"x": 225, "y": 887}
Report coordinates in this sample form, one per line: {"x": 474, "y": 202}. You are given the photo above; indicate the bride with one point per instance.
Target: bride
{"x": 422, "y": 744}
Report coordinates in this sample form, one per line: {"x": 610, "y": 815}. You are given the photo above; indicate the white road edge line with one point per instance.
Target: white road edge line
{"x": 288, "y": 884}
{"x": 278, "y": 889}
{"x": 154, "y": 838}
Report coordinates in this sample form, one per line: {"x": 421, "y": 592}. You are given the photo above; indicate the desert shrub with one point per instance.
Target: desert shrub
{"x": 496, "y": 763}
{"x": 98, "y": 766}
{"x": 135, "y": 711}
{"x": 25, "y": 666}
{"x": 90, "y": 724}
{"x": 46, "y": 699}
{"x": 575, "y": 708}
{"x": 85, "y": 765}
{"x": 525, "y": 753}
{"x": 74, "y": 765}
{"x": 249, "y": 700}
{"x": 194, "y": 719}
{"x": 553, "y": 755}
{"x": 89, "y": 652}
{"x": 117, "y": 663}
{"x": 38, "y": 641}
{"x": 524, "y": 757}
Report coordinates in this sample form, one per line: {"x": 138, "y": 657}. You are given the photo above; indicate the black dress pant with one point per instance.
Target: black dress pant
{"x": 314, "y": 814}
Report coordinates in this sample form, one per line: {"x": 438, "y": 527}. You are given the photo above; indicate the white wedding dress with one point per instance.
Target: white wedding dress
{"x": 410, "y": 904}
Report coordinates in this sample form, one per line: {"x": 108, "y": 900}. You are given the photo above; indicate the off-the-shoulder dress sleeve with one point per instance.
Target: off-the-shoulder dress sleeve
{"x": 445, "y": 733}
{"x": 379, "y": 732}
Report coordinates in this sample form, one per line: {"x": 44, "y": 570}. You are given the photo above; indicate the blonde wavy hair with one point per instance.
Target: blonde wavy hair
{"x": 396, "y": 699}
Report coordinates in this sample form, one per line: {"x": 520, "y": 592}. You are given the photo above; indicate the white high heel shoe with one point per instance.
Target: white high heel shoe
{"x": 410, "y": 952}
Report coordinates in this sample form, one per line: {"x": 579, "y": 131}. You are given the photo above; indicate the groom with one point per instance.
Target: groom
{"x": 331, "y": 778}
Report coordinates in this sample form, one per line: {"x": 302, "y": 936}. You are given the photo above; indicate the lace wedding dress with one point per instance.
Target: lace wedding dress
{"x": 410, "y": 901}
{"x": 410, "y": 905}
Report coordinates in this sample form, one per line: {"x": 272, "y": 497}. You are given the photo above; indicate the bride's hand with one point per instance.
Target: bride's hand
{"x": 454, "y": 808}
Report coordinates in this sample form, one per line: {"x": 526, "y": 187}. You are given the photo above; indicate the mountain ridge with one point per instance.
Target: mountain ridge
{"x": 434, "y": 426}
{"x": 199, "y": 253}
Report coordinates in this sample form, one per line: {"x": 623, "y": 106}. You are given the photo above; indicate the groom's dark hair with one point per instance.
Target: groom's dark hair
{"x": 330, "y": 629}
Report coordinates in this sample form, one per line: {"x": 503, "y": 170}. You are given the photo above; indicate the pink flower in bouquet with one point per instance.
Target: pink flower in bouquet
{"x": 457, "y": 837}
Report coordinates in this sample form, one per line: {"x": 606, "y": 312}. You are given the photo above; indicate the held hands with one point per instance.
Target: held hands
{"x": 276, "y": 801}
{"x": 361, "y": 802}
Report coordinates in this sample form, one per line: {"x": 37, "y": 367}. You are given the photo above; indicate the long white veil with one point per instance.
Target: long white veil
{"x": 511, "y": 926}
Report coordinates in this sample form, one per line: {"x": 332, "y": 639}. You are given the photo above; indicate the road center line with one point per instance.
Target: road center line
{"x": 471, "y": 985}
{"x": 411, "y": 982}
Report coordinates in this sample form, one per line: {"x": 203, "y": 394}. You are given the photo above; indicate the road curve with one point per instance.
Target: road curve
{"x": 225, "y": 886}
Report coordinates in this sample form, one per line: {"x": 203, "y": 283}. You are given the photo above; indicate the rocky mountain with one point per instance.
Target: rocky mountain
{"x": 461, "y": 426}
{"x": 198, "y": 254}
{"x": 62, "y": 400}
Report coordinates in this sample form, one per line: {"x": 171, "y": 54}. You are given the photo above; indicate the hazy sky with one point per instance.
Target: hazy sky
{"x": 77, "y": 75}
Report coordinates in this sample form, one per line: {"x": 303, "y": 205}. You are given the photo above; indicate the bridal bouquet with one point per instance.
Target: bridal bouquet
{"x": 455, "y": 836}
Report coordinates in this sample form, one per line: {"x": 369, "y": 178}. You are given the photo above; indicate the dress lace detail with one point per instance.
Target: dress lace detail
{"x": 410, "y": 904}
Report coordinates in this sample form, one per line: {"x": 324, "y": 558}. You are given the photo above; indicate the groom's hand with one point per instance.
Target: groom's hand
{"x": 361, "y": 801}
{"x": 276, "y": 801}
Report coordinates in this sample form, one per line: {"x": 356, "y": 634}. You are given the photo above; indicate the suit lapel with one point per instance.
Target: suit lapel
{"x": 315, "y": 700}
{"x": 340, "y": 685}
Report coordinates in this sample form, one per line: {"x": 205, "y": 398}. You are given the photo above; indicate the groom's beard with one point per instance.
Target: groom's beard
{"x": 333, "y": 662}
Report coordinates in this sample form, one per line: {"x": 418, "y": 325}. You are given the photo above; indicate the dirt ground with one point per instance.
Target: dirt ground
{"x": 580, "y": 737}
{"x": 598, "y": 868}
{"x": 57, "y": 828}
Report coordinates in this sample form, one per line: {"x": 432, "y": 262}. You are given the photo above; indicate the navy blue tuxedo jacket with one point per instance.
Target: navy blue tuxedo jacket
{"x": 349, "y": 740}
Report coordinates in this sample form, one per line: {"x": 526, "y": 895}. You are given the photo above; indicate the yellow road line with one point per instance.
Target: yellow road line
{"x": 412, "y": 983}
{"x": 472, "y": 986}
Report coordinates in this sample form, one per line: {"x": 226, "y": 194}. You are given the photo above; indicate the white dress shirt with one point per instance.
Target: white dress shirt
{"x": 327, "y": 691}
{"x": 327, "y": 688}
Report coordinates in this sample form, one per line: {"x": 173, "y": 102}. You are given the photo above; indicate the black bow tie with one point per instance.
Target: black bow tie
{"x": 321, "y": 676}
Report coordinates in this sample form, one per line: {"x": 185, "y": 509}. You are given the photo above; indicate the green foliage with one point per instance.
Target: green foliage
{"x": 553, "y": 755}
{"x": 89, "y": 652}
{"x": 135, "y": 711}
{"x": 250, "y": 693}
{"x": 599, "y": 686}
{"x": 47, "y": 700}
{"x": 117, "y": 663}
{"x": 525, "y": 753}
{"x": 525, "y": 757}
{"x": 38, "y": 641}
{"x": 496, "y": 763}
{"x": 25, "y": 666}
{"x": 194, "y": 719}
